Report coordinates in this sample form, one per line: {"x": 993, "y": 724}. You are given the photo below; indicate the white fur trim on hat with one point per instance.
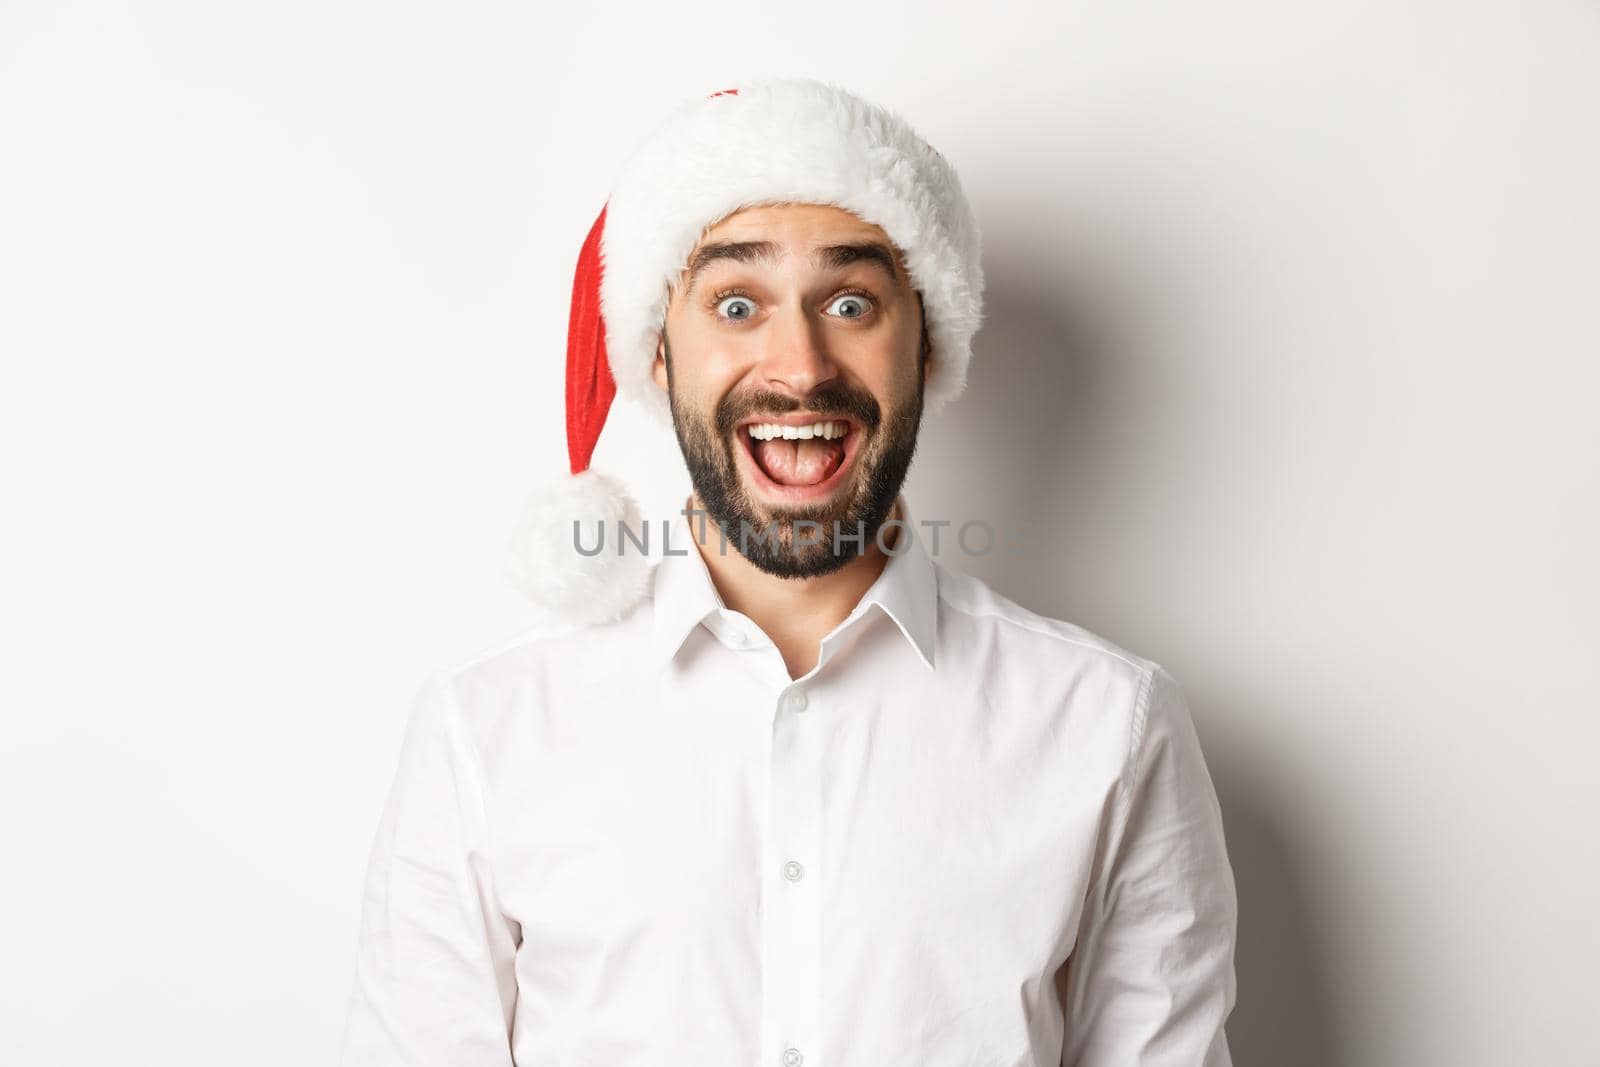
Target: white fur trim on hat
{"x": 544, "y": 563}
{"x": 785, "y": 140}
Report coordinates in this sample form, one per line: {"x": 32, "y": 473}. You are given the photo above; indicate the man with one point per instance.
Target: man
{"x": 787, "y": 799}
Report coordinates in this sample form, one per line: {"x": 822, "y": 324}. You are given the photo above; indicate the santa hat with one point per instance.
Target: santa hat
{"x": 781, "y": 140}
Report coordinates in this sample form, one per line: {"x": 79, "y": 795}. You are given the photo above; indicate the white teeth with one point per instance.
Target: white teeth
{"x": 766, "y": 431}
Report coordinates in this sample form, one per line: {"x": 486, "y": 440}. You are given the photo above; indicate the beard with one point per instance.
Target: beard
{"x": 861, "y": 507}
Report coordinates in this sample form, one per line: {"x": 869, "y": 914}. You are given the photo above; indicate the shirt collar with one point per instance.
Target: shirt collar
{"x": 906, "y": 590}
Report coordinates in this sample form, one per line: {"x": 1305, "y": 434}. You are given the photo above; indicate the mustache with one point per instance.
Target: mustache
{"x": 862, "y": 407}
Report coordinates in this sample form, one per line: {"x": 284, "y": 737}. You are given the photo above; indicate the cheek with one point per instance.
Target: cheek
{"x": 890, "y": 370}
{"x": 708, "y": 365}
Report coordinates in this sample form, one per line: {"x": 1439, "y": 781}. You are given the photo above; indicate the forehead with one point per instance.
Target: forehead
{"x": 821, "y": 234}
{"x": 795, "y": 224}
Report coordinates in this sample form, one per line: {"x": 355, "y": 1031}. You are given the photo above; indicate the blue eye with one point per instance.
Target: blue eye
{"x": 856, "y": 305}
{"x": 734, "y": 314}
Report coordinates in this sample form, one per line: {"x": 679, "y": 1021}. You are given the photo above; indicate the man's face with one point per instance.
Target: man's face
{"x": 795, "y": 314}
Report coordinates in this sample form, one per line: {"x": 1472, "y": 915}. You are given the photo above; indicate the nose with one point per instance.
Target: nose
{"x": 796, "y": 358}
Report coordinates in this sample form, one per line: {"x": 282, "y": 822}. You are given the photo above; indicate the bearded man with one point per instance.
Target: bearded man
{"x": 799, "y": 793}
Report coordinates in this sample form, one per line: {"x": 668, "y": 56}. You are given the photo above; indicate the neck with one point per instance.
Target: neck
{"x": 796, "y": 613}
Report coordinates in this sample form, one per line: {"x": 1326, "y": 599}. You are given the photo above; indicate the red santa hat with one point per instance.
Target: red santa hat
{"x": 780, "y": 140}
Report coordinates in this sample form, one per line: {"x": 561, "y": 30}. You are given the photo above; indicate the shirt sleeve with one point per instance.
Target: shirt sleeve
{"x": 435, "y": 979}
{"x": 1150, "y": 981}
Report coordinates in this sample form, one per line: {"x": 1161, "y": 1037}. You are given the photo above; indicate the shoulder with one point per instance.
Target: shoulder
{"x": 1139, "y": 699}
{"x": 546, "y": 659}
{"x": 1087, "y": 686}
{"x": 977, "y": 610}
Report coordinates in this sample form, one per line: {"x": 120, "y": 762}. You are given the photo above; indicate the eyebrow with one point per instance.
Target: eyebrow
{"x": 829, "y": 257}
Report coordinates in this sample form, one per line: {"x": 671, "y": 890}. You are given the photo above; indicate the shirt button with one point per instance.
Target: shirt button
{"x": 792, "y": 1057}
{"x": 737, "y": 638}
{"x": 793, "y": 871}
{"x": 798, "y": 700}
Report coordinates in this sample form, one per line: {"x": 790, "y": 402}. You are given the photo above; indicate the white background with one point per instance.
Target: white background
{"x": 1293, "y": 319}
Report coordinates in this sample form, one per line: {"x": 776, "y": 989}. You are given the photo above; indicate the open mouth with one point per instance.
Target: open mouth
{"x": 800, "y": 457}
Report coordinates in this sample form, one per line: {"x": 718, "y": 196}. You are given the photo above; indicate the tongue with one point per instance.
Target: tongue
{"x": 799, "y": 462}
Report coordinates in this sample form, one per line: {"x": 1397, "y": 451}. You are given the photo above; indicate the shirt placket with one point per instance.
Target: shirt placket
{"x": 790, "y": 876}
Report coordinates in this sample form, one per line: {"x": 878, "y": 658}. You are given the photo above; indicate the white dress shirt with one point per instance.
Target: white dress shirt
{"x": 970, "y": 835}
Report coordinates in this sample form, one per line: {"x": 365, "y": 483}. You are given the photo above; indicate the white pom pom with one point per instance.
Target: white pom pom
{"x": 544, "y": 561}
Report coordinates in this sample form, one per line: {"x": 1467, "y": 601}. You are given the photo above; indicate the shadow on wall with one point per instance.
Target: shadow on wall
{"x": 1283, "y": 1015}
{"x": 1058, "y": 381}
